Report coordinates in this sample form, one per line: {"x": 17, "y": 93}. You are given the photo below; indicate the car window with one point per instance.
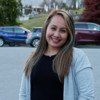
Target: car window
{"x": 34, "y": 30}
{"x": 19, "y": 30}
{"x": 9, "y": 30}
{"x": 1, "y": 28}
{"x": 93, "y": 27}
{"x": 79, "y": 25}
{"x": 37, "y": 30}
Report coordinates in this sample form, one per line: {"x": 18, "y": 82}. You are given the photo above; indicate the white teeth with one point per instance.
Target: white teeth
{"x": 55, "y": 40}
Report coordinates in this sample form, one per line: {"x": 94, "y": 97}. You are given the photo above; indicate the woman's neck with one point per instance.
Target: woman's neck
{"x": 51, "y": 51}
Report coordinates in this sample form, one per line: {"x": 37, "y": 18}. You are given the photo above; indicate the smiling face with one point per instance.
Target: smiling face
{"x": 56, "y": 33}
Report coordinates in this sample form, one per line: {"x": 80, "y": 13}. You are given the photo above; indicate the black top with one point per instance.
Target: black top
{"x": 45, "y": 84}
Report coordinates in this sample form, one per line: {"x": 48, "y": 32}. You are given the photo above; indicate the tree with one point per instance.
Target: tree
{"x": 91, "y": 12}
{"x": 51, "y": 4}
{"x": 9, "y": 11}
{"x": 73, "y": 4}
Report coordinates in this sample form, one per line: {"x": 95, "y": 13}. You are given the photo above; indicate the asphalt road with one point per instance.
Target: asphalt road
{"x": 12, "y": 60}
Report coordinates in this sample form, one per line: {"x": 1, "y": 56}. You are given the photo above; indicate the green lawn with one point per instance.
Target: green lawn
{"x": 36, "y": 21}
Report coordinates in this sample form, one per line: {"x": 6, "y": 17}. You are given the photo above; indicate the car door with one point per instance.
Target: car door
{"x": 96, "y": 36}
{"x": 21, "y": 34}
{"x": 8, "y": 33}
{"x": 84, "y": 36}
{"x": 95, "y": 30}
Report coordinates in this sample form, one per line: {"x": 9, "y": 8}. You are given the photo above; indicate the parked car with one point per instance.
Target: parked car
{"x": 85, "y": 32}
{"x": 34, "y": 38}
{"x": 13, "y": 35}
{"x": 87, "y": 25}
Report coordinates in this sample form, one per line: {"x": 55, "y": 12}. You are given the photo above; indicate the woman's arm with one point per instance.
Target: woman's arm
{"x": 24, "y": 92}
{"x": 85, "y": 84}
{"x": 84, "y": 77}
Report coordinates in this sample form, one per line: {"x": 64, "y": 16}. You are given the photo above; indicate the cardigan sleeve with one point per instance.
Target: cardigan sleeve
{"x": 84, "y": 77}
{"x": 24, "y": 92}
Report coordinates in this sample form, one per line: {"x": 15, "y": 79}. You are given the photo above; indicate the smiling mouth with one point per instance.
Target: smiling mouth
{"x": 55, "y": 40}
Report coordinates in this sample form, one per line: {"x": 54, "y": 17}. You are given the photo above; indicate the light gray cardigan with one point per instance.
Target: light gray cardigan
{"x": 78, "y": 85}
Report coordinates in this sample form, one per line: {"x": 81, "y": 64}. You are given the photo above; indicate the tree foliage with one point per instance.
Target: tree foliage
{"x": 53, "y": 4}
{"x": 92, "y": 11}
{"x": 9, "y": 11}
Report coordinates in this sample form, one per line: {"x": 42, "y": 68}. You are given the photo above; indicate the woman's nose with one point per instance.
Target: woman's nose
{"x": 56, "y": 34}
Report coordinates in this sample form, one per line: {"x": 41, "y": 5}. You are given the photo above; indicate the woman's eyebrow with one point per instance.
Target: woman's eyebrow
{"x": 53, "y": 25}
{"x": 63, "y": 28}
{"x": 56, "y": 26}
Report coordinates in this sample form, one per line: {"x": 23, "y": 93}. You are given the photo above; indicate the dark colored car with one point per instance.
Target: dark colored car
{"x": 87, "y": 25}
{"x": 13, "y": 35}
{"x": 85, "y": 32}
{"x": 34, "y": 38}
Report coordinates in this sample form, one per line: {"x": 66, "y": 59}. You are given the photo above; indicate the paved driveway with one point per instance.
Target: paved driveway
{"x": 11, "y": 64}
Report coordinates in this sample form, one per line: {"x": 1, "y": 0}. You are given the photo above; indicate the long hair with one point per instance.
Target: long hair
{"x": 63, "y": 59}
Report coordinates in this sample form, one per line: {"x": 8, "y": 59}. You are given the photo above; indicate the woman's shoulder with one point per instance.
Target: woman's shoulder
{"x": 80, "y": 59}
{"x": 78, "y": 53}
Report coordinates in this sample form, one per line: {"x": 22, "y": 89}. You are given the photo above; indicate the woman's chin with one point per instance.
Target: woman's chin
{"x": 53, "y": 45}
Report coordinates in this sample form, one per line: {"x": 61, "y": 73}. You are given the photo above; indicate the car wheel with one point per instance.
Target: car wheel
{"x": 12, "y": 44}
{"x": 35, "y": 42}
{"x": 1, "y": 42}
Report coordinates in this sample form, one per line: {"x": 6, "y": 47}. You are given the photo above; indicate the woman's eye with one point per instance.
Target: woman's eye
{"x": 63, "y": 31}
{"x": 53, "y": 28}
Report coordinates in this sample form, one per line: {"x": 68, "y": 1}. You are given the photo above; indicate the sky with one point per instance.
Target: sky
{"x": 33, "y": 2}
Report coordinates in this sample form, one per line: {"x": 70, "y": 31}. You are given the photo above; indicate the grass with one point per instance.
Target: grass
{"x": 36, "y": 21}
{"x": 79, "y": 11}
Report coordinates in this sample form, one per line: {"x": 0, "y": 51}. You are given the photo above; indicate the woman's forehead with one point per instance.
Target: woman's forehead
{"x": 58, "y": 20}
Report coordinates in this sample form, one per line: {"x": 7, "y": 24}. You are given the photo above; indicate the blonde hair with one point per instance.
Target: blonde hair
{"x": 63, "y": 59}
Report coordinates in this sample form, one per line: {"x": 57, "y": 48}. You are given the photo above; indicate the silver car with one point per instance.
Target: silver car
{"x": 33, "y": 39}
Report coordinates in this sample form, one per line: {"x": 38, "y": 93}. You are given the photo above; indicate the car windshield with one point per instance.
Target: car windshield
{"x": 37, "y": 29}
{"x": 94, "y": 27}
{"x": 19, "y": 30}
{"x": 25, "y": 29}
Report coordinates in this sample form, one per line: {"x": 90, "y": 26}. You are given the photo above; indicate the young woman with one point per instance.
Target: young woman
{"x": 57, "y": 70}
